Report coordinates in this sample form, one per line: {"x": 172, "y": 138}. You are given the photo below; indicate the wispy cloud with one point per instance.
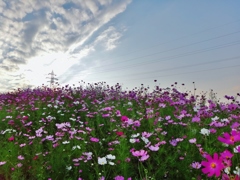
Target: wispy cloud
{"x": 30, "y": 30}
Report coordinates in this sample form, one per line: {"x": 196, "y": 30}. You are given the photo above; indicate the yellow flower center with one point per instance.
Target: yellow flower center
{"x": 213, "y": 165}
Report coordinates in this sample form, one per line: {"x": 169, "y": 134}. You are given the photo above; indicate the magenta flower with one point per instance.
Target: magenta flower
{"x": 93, "y": 139}
{"x": 11, "y": 138}
{"x": 124, "y": 118}
{"x": 196, "y": 119}
{"x": 105, "y": 115}
{"x": 119, "y": 178}
{"x": 226, "y": 154}
{"x": 11, "y": 122}
{"x": 213, "y": 165}
{"x": 230, "y": 139}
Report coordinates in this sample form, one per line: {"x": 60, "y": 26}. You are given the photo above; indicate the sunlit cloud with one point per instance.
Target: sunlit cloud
{"x": 44, "y": 35}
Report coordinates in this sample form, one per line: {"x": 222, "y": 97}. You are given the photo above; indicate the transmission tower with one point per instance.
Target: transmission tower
{"x": 52, "y": 79}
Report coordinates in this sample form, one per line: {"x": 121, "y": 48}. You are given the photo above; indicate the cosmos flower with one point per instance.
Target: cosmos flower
{"x": 110, "y": 156}
{"x": 2, "y": 163}
{"x": 192, "y": 140}
{"x": 20, "y": 157}
{"x": 102, "y": 161}
{"x": 205, "y": 131}
{"x": 230, "y": 139}
{"x": 213, "y": 165}
{"x": 226, "y": 154}
{"x": 196, "y": 165}
{"x": 124, "y": 118}
{"x": 11, "y": 138}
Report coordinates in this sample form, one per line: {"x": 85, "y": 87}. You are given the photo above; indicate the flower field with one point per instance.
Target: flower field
{"x": 100, "y": 132}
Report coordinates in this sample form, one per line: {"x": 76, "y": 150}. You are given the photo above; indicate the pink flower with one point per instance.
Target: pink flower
{"x": 25, "y": 118}
{"x": 142, "y": 154}
{"x": 192, "y": 140}
{"x": 11, "y": 138}
{"x": 196, "y": 119}
{"x": 119, "y": 133}
{"x": 20, "y": 157}
{"x": 93, "y": 139}
{"x": 19, "y": 165}
{"x": 230, "y": 139}
{"x": 119, "y": 178}
{"x": 196, "y": 165}
{"x": 124, "y": 118}
{"x": 139, "y": 153}
{"x": 144, "y": 157}
{"x": 106, "y": 115}
{"x": 154, "y": 148}
{"x": 11, "y": 122}
{"x": 213, "y": 130}
{"x": 2, "y": 163}
{"x": 226, "y": 154}
{"x": 213, "y": 165}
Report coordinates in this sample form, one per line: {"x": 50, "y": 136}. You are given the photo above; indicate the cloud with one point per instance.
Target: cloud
{"x": 109, "y": 38}
{"x": 31, "y": 29}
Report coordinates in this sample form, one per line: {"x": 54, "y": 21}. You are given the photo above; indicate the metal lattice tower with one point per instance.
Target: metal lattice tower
{"x": 52, "y": 78}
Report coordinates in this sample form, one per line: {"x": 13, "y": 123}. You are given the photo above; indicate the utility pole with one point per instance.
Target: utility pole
{"x": 52, "y": 78}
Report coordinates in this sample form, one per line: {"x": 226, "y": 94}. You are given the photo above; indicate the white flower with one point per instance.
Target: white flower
{"x": 132, "y": 140}
{"x": 205, "y": 131}
{"x": 227, "y": 170}
{"x": 65, "y": 142}
{"x": 237, "y": 172}
{"x": 69, "y": 168}
{"x": 145, "y": 140}
{"x": 225, "y": 120}
{"x": 76, "y": 102}
{"x": 72, "y": 119}
{"x": 74, "y": 147}
{"x": 135, "y": 135}
{"x": 215, "y": 118}
{"x": 109, "y": 156}
{"x": 102, "y": 161}
{"x": 111, "y": 163}
{"x": 196, "y": 108}
{"x": 130, "y": 103}
{"x": 235, "y": 149}
{"x": 49, "y": 105}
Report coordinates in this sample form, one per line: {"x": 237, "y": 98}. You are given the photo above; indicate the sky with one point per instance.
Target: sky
{"x": 130, "y": 42}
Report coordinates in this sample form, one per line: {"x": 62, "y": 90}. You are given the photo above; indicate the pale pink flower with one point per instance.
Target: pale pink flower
{"x": 2, "y": 163}
{"x": 192, "y": 140}
{"x": 20, "y": 157}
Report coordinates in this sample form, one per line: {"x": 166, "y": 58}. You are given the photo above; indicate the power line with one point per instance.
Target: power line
{"x": 199, "y": 32}
{"x": 167, "y": 58}
{"x": 184, "y": 73}
{"x": 179, "y": 67}
{"x": 180, "y": 47}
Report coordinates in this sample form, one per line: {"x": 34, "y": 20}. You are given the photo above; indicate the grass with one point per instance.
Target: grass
{"x": 102, "y": 132}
